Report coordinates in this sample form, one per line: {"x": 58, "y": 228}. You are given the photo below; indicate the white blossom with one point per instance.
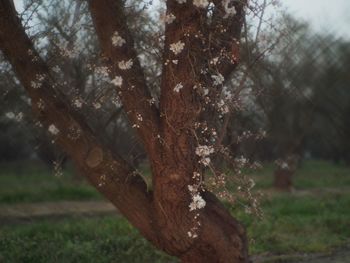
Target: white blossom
{"x": 197, "y": 202}
{"x": 78, "y": 103}
{"x": 218, "y": 79}
{"x": 201, "y": 3}
{"x": 284, "y": 165}
{"x": 38, "y": 82}
{"x": 214, "y": 61}
{"x": 204, "y": 150}
{"x": 196, "y": 175}
{"x": 139, "y": 117}
{"x": 191, "y": 235}
{"x": 223, "y": 107}
{"x": 117, "y": 81}
{"x": 230, "y": 11}
{"x": 103, "y": 71}
{"x": 56, "y": 69}
{"x": 96, "y": 105}
{"x": 117, "y": 40}
{"x": 10, "y": 115}
{"x": 191, "y": 188}
{"x": 205, "y": 161}
{"x": 178, "y": 87}
{"x": 53, "y": 129}
{"x": 181, "y": 1}
{"x": 152, "y": 101}
{"x": 177, "y": 47}
{"x": 241, "y": 161}
{"x": 124, "y": 65}
{"x": 102, "y": 180}
{"x": 205, "y": 91}
{"x": 169, "y": 18}
{"x": 40, "y": 104}
{"x": 35, "y": 85}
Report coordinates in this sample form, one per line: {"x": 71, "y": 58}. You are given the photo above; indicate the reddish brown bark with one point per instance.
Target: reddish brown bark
{"x": 283, "y": 175}
{"x": 163, "y": 215}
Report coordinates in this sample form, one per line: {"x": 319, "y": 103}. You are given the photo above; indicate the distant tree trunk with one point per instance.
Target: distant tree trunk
{"x": 161, "y": 215}
{"x": 283, "y": 179}
{"x": 283, "y": 175}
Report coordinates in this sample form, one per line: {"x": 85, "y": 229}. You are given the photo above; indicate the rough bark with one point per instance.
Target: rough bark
{"x": 162, "y": 216}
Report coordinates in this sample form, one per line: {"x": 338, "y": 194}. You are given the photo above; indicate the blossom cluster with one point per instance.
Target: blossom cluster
{"x": 201, "y": 3}
{"x": 38, "y": 81}
{"x": 178, "y": 87}
{"x": 117, "y": 40}
{"x": 117, "y": 81}
{"x": 218, "y": 79}
{"x": 78, "y": 103}
{"x": 204, "y": 151}
{"x": 53, "y": 129}
{"x": 177, "y": 47}
{"x": 124, "y": 65}
{"x": 12, "y": 116}
{"x": 169, "y": 18}
{"x": 102, "y": 71}
{"x": 230, "y": 11}
{"x": 197, "y": 203}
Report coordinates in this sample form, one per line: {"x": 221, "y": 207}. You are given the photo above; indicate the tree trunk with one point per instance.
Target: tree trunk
{"x": 221, "y": 239}
{"x": 162, "y": 216}
{"x": 283, "y": 175}
{"x": 283, "y": 179}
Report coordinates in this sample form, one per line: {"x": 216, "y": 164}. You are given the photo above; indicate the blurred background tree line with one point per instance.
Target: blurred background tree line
{"x": 293, "y": 85}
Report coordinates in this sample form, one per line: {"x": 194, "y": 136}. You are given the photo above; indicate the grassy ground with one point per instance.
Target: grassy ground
{"x": 104, "y": 239}
{"x": 313, "y": 219}
{"x": 34, "y": 182}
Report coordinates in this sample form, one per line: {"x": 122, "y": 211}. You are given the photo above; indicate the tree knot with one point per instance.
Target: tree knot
{"x": 94, "y": 157}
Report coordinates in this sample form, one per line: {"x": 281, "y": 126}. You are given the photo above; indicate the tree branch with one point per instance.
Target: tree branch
{"x": 180, "y": 107}
{"x": 111, "y": 175}
{"x": 110, "y": 21}
{"x": 224, "y": 34}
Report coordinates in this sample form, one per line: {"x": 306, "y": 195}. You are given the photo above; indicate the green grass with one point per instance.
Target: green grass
{"x": 314, "y": 219}
{"x": 34, "y": 182}
{"x": 71, "y": 240}
{"x": 294, "y": 224}
{"x": 310, "y": 175}
{"x": 320, "y": 174}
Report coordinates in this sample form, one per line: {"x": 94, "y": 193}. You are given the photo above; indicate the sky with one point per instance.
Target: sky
{"x": 330, "y": 16}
